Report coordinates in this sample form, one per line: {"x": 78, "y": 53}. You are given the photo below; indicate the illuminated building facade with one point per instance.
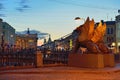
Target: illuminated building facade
{"x": 26, "y": 41}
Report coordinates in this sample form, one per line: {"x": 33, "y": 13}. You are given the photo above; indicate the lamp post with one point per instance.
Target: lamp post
{"x": 11, "y": 39}
{"x": 79, "y": 21}
{"x": 113, "y": 46}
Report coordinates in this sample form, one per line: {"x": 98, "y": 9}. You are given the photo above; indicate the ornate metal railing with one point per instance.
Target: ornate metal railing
{"x": 21, "y": 58}
{"x": 28, "y": 58}
{"x": 55, "y": 57}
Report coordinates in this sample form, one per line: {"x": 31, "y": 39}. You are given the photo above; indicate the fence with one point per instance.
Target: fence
{"x": 28, "y": 58}
{"x": 22, "y": 58}
{"x": 56, "y": 57}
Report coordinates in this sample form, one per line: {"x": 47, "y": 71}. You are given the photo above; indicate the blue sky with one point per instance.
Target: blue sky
{"x": 56, "y": 17}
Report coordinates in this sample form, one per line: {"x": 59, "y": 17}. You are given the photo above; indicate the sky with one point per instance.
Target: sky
{"x": 56, "y": 17}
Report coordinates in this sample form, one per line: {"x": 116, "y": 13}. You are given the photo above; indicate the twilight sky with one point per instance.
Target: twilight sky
{"x": 56, "y": 17}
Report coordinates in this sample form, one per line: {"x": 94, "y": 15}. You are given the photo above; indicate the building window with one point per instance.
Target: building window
{"x": 109, "y": 30}
{"x": 3, "y": 27}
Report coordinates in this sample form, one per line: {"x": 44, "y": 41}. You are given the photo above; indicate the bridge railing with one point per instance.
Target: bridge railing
{"x": 22, "y": 58}
{"x": 59, "y": 57}
{"x": 29, "y": 58}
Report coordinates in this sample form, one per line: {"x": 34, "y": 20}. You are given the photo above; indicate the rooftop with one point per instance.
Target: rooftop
{"x": 110, "y": 22}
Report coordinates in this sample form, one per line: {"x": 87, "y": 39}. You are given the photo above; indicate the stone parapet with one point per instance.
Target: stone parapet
{"x": 109, "y": 60}
{"x": 91, "y": 60}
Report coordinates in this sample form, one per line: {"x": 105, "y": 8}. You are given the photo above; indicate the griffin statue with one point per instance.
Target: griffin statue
{"x": 91, "y": 37}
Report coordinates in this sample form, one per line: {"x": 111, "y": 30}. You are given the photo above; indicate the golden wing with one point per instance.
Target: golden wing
{"x": 84, "y": 29}
{"x": 103, "y": 30}
{"x": 99, "y": 33}
{"x": 88, "y": 28}
{"x": 86, "y": 25}
{"x": 91, "y": 29}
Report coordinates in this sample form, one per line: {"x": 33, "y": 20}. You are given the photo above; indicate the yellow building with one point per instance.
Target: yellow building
{"x": 26, "y": 41}
{"x": 117, "y": 42}
{"x": 112, "y": 36}
{"x": 110, "y": 32}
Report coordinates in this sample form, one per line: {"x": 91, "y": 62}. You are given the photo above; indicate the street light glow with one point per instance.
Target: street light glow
{"x": 113, "y": 44}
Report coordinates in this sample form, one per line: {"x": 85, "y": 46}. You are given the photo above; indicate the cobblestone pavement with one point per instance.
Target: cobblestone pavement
{"x": 61, "y": 73}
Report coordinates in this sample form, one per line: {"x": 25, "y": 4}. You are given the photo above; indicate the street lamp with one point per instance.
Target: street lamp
{"x": 11, "y": 39}
{"x": 113, "y": 44}
{"x": 113, "y": 47}
{"x": 11, "y": 36}
{"x": 78, "y": 20}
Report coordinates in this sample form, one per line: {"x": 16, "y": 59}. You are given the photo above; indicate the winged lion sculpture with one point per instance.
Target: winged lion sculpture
{"x": 91, "y": 37}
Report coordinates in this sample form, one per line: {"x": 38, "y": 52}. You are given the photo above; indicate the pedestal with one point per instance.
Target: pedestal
{"x": 86, "y": 60}
{"x": 109, "y": 60}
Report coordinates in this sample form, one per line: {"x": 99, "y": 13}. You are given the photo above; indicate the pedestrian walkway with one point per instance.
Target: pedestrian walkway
{"x": 63, "y": 69}
{"x": 62, "y": 73}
